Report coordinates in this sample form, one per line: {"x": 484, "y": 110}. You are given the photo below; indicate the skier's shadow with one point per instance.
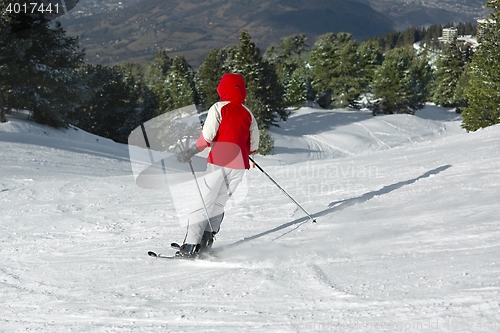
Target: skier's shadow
{"x": 342, "y": 204}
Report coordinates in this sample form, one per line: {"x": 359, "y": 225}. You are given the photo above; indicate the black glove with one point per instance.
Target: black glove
{"x": 185, "y": 156}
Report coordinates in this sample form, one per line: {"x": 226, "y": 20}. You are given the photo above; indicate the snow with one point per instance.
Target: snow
{"x": 407, "y": 239}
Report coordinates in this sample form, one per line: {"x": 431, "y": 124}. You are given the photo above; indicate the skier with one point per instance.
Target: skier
{"x": 231, "y": 132}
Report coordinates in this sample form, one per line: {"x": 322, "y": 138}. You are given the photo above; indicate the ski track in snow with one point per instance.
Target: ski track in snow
{"x": 407, "y": 239}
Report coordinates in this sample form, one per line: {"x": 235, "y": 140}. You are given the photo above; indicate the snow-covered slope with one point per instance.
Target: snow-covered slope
{"x": 312, "y": 133}
{"x": 407, "y": 239}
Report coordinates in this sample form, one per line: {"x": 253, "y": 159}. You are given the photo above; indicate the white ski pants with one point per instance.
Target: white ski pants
{"x": 217, "y": 186}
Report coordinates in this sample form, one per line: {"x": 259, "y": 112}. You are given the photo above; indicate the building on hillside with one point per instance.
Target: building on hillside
{"x": 449, "y": 34}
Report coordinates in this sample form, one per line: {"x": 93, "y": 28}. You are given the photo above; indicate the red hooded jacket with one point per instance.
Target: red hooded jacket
{"x": 230, "y": 128}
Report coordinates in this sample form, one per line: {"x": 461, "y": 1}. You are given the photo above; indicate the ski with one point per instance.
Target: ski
{"x": 161, "y": 256}
{"x": 200, "y": 256}
{"x": 174, "y": 246}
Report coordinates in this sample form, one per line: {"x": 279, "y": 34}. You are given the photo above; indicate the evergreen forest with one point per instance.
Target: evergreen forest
{"x": 42, "y": 70}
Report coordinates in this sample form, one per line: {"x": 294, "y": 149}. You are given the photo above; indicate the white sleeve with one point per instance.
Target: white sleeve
{"x": 254, "y": 134}
{"x": 212, "y": 123}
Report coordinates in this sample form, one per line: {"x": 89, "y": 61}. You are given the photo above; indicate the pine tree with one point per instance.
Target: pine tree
{"x": 431, "y": 38}
{"x": 450, "y": 66}
{"x": 155, "y": 75}
{"x": 462, "y": 87}
{"x": 370, "y": 58}
{"x": 264, "y": 93}
{"x": 180, "y": 84}
{"x": 4, "y": 32}
{"x": 266, "y": 142}
{"x": 294, "y": 44}
{"x": 111, "y": 111}
{"x": 483, "y": 92}
{"x": 466, "y": 29}
{"x": 3, "y": 119}
{"x": 421, "y": 79}
{"x": 401, "y": 82}
{"x": 297, "y": 87}
{"x": 290, "y": 68}
{"x": 208, "y": 77}
{"x": 141, "y": 96}
{"x": 39, "y": 67}
{"x": 388, "y": 83}
{"x": 335, "y": 69}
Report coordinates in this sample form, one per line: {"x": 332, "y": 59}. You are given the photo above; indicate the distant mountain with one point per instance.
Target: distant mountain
{"x": 193, "y": 27}
{"x": 416, "y": 13}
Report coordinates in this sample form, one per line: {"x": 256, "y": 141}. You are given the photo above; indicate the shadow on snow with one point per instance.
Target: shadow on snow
{"x": 341, "y": 205}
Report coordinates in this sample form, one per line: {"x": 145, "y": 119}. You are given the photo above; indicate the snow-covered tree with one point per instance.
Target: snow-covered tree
{"x": 290, "y": 68}
{"x": 141, "y": 95}
{"x": 4, "y": 33}
{"x": 483, "y": 90}
{"x": 461, "y": 89}
{"x": 112, "y": 109}
{"x": 155, "y": 74}
{"x": 370, "y": 57}
{"x": 38, "y": 67}
{"x": 180, "y": 84}
{"x": 297, "y": 87}
{"x": 336, "y": 72}
{"x": 266, "y": 142}
{"x": 401, "y": 82}
{"x": 450, "y": 66}
{"x": 294, "y": 44}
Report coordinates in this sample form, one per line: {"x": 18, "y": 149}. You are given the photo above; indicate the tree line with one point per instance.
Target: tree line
{"x": 42, "y": 70}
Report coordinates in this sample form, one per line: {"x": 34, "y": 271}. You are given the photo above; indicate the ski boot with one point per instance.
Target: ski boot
{"x": 188, "y": 251}
{"x": 206, "y": 242}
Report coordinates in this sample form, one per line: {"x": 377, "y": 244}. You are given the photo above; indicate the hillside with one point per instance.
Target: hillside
{"x": 426, "y": 12}
{"x": 194, "y": 27}
{"x": 136, "y": 32}
{"x": 407, "y": 238}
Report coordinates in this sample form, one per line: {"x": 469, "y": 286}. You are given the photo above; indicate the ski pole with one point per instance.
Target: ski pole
{"x": 201, "y": 195}
{"x": 281, "y": 188}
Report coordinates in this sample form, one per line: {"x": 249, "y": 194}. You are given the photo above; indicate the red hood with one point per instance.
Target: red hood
{"x": 232, "y": 88}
